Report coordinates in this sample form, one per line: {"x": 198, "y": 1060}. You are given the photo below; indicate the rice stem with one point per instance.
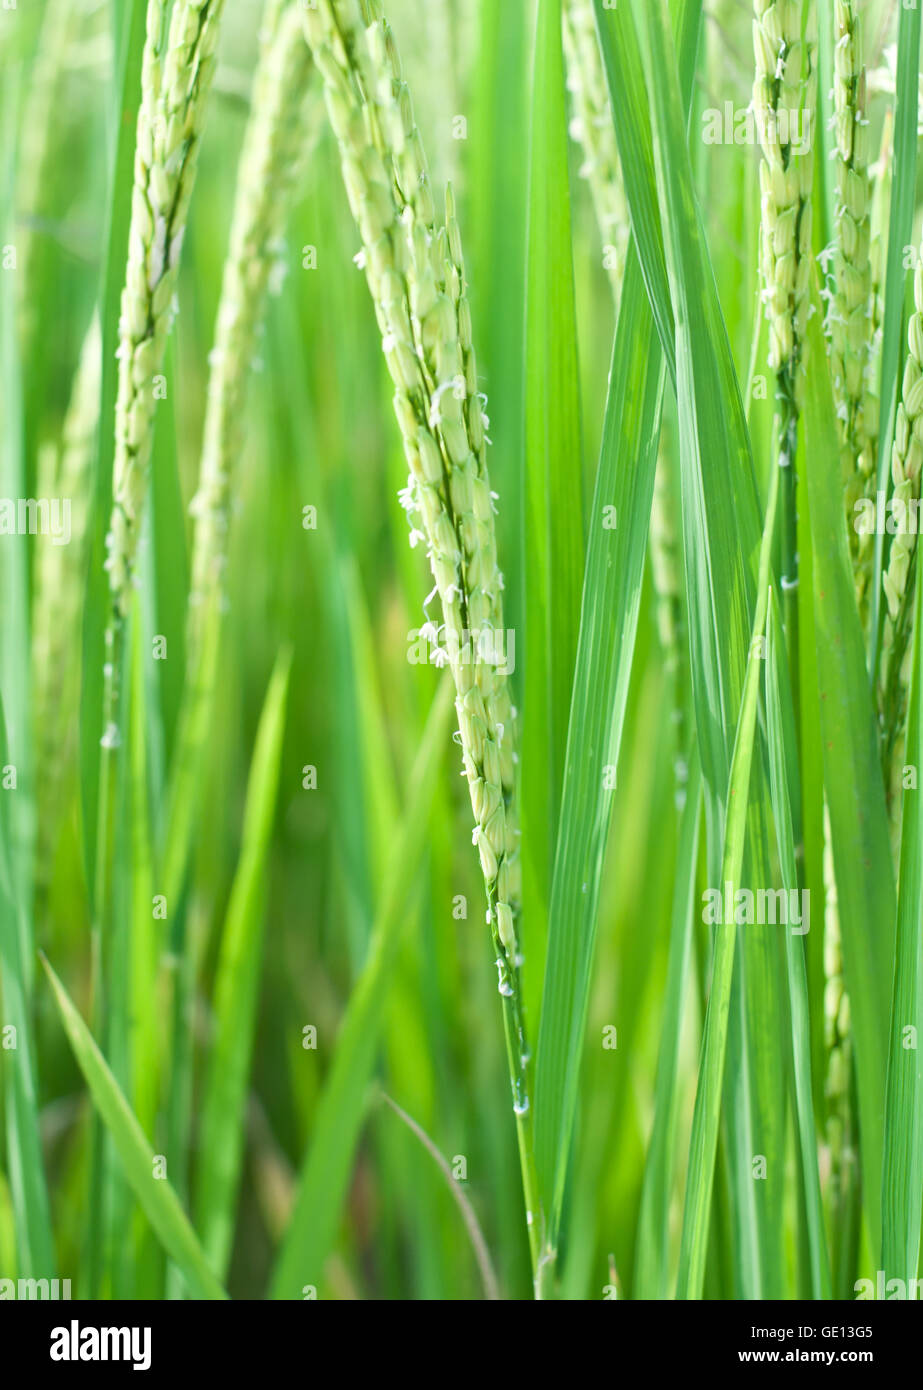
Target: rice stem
{"x": 415, "y": 271}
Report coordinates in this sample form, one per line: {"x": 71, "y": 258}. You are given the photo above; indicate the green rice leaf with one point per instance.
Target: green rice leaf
{"x": 612, "y": 593}
{"x": 902, "y": 1174}
{"x": 783, "y": 779}
{"x": 621, "y": 53}
{"x": 651, "y": 1264}
{"x": 704, "y": 1142}
{"x": 17, "y": 804}
{"x": 138, "y": 1159}
{"x": 622, "y": 59}
{"x": 721, "y": 544}
{"x": 237, "y": 988}
{"x": 608, "y": 623}
{"x": 714, "y": 441}
{"x": 552, "y": 503}
{"x": 26, "y": 1167}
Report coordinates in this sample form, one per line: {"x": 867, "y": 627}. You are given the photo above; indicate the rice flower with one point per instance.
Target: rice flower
{"x": 906, "y": 464}
{"x": 849, "y": 319}
{"x": 59, "y": 581}
{"x": 593, "y": 129}
{"x": 907, "y": 458}
{"x": 783, "y": 105}
{"x": 416, "y": 275}
{"x": 60, "y": 23}
{"x": 176, "y": 78}
{"x": 274, "y": 146}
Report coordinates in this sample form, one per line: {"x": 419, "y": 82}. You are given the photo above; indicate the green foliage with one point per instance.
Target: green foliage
{"x": 246, "y": 848}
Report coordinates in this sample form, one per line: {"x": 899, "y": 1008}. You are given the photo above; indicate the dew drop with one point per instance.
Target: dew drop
{"x": 503, "y": 984}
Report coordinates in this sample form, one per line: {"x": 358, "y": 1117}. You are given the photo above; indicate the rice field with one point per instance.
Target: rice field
{"x": 461, "y": 665}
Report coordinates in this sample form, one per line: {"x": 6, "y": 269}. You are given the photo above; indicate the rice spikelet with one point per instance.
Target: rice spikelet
{"x": 415, "y": 271}
{"x": 176, "y": 78}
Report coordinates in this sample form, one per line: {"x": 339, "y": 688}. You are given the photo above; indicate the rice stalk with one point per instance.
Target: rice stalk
{"x": 906, "y": 462}
{"x": 274, "y": 145}
{"x": 37, "y": 146}
{"x": 784, "y": 89}
{"x": 850, "y": 328}
{"x": 177, "y": 76}
{"x": 839, "y": 1097}
{"x": 592, "y": 128}
{"x": 880, "y": 179}
{"x": 783, "y": 96}
{"x": 881, "y": 206}
{"x": 849, "y": 300}
{"x": 414, "y": 267}
{"x": 666, "y": 572}
{"x": 178, "y": 67}
{"x": 59, "y": 580}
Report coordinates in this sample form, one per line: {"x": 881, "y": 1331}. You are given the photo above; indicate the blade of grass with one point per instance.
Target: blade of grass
{"x": 654, "y": 1221}
{"x": 552, "y": 497}
{"x": 612, "y": 592}
{"x": 624, "y": 69}
{"x": 706, "y": 388}
{"x": 704, "y": 1142}
{"x": 138, "y": 1159}
{"x": 147, "y": 942}
{"x": 17, "y": 803}
{"x": 29, "y": 1195}
{"x": 236, "y": 990}
{"x": 783, "y": 778}
{"x": 722, "y": 529}
{"x": 651, "y": 1265}
{"x": 811, "y": 764}
{"x": 902, "y": 1170}
{"x": 116, "y": 1023}
{"x": 14, "y": 585}
{"x": 472, "y": 1226}
{"x": 612, "y": 585}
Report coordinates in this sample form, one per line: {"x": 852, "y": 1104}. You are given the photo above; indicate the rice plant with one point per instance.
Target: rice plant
{"x": 460, "y": 649}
